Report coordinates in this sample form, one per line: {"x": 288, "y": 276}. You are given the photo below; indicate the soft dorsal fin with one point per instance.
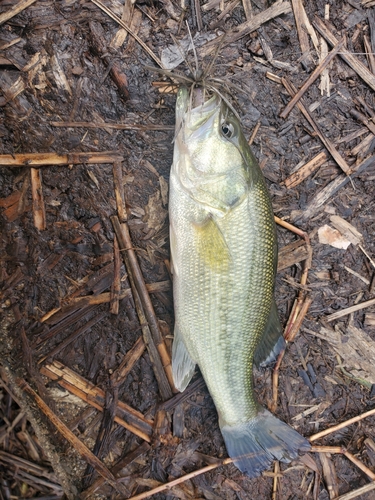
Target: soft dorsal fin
{"x": 183, "y": 366}
{"x": 272, "y": 340}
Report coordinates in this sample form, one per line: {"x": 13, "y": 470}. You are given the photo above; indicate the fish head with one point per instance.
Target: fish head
{"x": 212, "y": 159}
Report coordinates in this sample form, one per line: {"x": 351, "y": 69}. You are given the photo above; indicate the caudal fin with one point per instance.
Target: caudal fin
{"x": 254, "y": 445}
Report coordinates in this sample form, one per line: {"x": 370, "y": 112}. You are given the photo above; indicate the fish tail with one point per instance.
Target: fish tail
{"x": 255, "y": 444}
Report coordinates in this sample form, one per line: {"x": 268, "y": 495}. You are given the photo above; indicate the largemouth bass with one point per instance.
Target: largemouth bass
{"x": 224, "y": 258}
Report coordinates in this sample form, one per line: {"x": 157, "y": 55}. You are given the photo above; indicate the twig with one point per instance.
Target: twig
{"x": 121, "y": 464}
{"x": 356, "y": 493}
{"x": 330, "y": 476}
{"x": 297, "y": 177}
{"x": 327, "y": 143}
{"x": 16, "y": 9}
{"x": 255, "y": 131}
{"x": 126, "y": 416}
{"x": 347, "y": 56}
{"x": 54, "y": 159}
{"x": 68, "y": 434}
{"x": 276, "y": 471}
{"x": 116, "y": 284}
{"x": 119, "y": 191}
{"x": 337, "y": 427}
{"x": 99, "y": 46}
{"x": 116, "y": 126}
{"x": 277, "y": 9}
{"x": 126, "y": 27}
{"x": 360, "y": 465}
{"x": 159, "y": 356}
{"x": 39, "y": 211}
{"x": 314, "y": 75}
{"x": 332, "y": 188}
{"x": 348, "y": 310}
{"x": 175, "y": 482}
{"x": 73, "y": 336}
{"x": 129, "y": 360}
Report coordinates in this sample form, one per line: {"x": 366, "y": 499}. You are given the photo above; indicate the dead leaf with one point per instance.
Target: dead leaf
{"x": 155, "y": 213}
{"x": 329, "y": 236}
{"x": 347, "y": 230}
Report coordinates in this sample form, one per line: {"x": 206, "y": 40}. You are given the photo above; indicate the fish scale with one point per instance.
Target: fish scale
{"x": 224, "y": 255}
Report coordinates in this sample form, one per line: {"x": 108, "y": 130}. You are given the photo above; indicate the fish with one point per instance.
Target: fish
{"x": 224, "y": 259}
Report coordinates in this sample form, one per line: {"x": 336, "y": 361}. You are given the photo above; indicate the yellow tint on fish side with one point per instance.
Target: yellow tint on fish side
{"x": 211, "y": 245}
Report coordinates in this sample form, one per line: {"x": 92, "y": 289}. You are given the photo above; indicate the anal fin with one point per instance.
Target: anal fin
{"x": 272, "y": 340}
{"x": 183, "y": 366}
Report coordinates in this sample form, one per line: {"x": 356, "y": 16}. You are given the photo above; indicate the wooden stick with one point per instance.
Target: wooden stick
{"x": 135, "y": 275}
{"x": 49, "y": 159}
{"x": 356, "y": 493}
{"x": 369, "y": 54}
{"x": 116, "y": 126}
{"x": 301, "y": 30}
{"x": 307, "y": 169}
{"x": 116, "y": 284}
{"x": 277, "y": 9}
{"x": 39, "y": 211}
{"x": 348, "y": 310}
{"x": 126, "y": 416}
{"x": 175, "y": 482}
{"x": 68, "y": 434}
{"x": 314, "y": 75}
{"x": 360, "y": 465}
{"x": 121, "y": 464}
{"x": 16, "y": 9}
{"x": 337, "y": 427}
{"x": 126, "y": 27}
{"x": 119, "y": 191}
{"x": 327, "y": 143}
{"x": 73, "y": 336}
{"x": 347, "y": 56}
{"x": 276, "y": 472}
{"x": 330, "y": 476}
{"x": 129, "y": 360}
{"x": 332, "y": 188}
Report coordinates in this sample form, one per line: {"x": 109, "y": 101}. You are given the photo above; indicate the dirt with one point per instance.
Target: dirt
{"x": 41, "y": 268}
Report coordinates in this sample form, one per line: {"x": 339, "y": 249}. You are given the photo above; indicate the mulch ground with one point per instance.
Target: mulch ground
{"x": 87, "y": 312}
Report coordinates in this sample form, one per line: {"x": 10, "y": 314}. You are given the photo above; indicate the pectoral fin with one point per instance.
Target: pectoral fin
{"x": 183, "y": 366}
{"x": 272, "y": 340}
{"x": 211, "y": 245}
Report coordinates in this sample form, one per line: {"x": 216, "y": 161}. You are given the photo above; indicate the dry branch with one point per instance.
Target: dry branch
{"x": 327, "y": 143}
{"x": 337, "y": 427}
{"x": 277, "y": 9}
{"x": 124, "y": 462}
{"x": 68, "y": 434}
{"x": 356, "y": 493}
{"x": 347, "y": 56}
{"x": 126, "y": 27}
{"x": 349, "y": 310}
{"x": 310, "y": 167}
{"x": 314, "y": 75}
{"x": 49, "y": 159}
{"x": 19, "y": 7}
{"x": 299, "y": 16}
{"x": 155, "y": 343}
{"x": 327, "y": 192}
{"x": 116, "y": 126}
{"x": 126, "y": 416}
{"x": 39, "y": 211}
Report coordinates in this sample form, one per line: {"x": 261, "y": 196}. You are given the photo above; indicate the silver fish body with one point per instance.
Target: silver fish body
{"x": 224, "y": 257}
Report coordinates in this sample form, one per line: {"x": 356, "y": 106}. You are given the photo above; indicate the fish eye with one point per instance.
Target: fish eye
{"x": 227, "y": 129}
